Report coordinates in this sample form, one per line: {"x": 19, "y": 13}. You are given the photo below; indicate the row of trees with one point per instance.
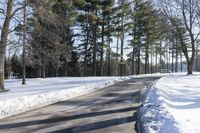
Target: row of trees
{"x": 49, "y": 38}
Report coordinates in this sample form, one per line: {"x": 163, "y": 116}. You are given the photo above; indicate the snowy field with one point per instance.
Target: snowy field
{"x": 42, "y": 92}
{"x": 172, "y": 105}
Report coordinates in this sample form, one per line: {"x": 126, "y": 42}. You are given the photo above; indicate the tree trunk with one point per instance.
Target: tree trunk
{"x": 148, "y": 66}
{"x": 168, "y": 59}
{"x": 94, "y": 46}
{"x": 24, "y": 46}
{"x": 122, "y": 39}
{"x": 57, "y": 71}
{"x": 85, "y": 61}
{"x": 176, "y": 63}
{"x": 39, "y": 71}
{"x": 189, "y": 60}
{"x": 117, "y": 52}
{"x": 151, "y": 63}
{"x": 138, "y": 64}
{"x": 86, "y": 48}
{"x": 189, "y": 68}
{"x": 66, "y": 60}
{"x": 2, "y": 60}
{"x": 3, "y": 41}
{"x": 39, "y": 67}
{"x": 146, "y": 58}
{"x": 43, "y": 59}
{"x": 181, "y": 61}
{"x": 133, "y": 61}
{"x": 109, "y": 58}
{"x": 172, "y": 60}
{"x": 66, "y": 68}
{"x": 43, "y": 71}
{"x": 160, "y": 54}
{"x": 122, "y": 55}
{"x": 196, "y": 62}
{"x": 109, "y": 51}
{"x": 156, "y": 68}
{"x": 102, "y": 51}
{"x": 94, "y": 51}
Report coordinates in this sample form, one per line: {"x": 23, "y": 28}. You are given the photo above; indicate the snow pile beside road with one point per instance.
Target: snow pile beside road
{"x": 172, "y": 105}
{"x": 42, "y": 92}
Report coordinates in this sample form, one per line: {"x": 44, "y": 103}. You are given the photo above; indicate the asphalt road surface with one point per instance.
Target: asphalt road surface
{"x": 110, "y": 110}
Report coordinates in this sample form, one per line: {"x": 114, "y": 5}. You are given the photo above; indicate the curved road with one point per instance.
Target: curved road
{"x": 110, "y": 110}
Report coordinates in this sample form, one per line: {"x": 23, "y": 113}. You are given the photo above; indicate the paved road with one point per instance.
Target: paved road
{"x": 110, "y": 110}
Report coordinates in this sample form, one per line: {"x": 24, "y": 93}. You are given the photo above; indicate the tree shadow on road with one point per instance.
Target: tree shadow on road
{"x": 97, "y": 125}
{"x": 66, "y": 118}
{"x": 115, "y": 97}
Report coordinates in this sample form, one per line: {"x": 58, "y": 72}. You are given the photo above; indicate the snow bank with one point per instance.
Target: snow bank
{"x": 42, "y": 92}
{"x": 172, "y": 105}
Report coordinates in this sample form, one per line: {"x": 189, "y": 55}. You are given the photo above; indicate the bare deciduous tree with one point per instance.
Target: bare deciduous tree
{"x": 183, "y": 15}
{"x": 9, "y": 13}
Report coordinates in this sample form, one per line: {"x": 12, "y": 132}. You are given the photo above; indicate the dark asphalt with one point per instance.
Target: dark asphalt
{"x": 110, "y": 110}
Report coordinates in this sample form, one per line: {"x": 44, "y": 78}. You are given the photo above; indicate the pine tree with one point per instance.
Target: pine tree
{"x": 106, "y": 17}
{"x": 16, "y": 66}
{"x": 52, "y": 47}
{"x": 124, "y": 16}
{"x": 89, "y": 23}
{"x": 65, "y": 12}
{"x": 146, "y": 33}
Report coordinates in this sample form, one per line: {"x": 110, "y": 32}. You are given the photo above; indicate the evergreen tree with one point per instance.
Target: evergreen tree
{"x": 89, "y": 23}
{"x": 16, "y": 66}
{"x": 65, "y": 12}
{"x": 124, "y": 18}
{"x": 52, "y": 47}
{"x": 146, "y": 33}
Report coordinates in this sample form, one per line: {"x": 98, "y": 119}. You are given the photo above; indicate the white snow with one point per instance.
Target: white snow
{"x": 172, "y": 105}
{"x": 42, "y": 92}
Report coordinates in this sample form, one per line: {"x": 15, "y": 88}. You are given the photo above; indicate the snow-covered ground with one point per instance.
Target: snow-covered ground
{"x": 42, "y": 92}
{"x": 172, "y": 105}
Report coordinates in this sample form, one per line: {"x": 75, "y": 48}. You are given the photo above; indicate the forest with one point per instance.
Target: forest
{"x": 76, "y": 38}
